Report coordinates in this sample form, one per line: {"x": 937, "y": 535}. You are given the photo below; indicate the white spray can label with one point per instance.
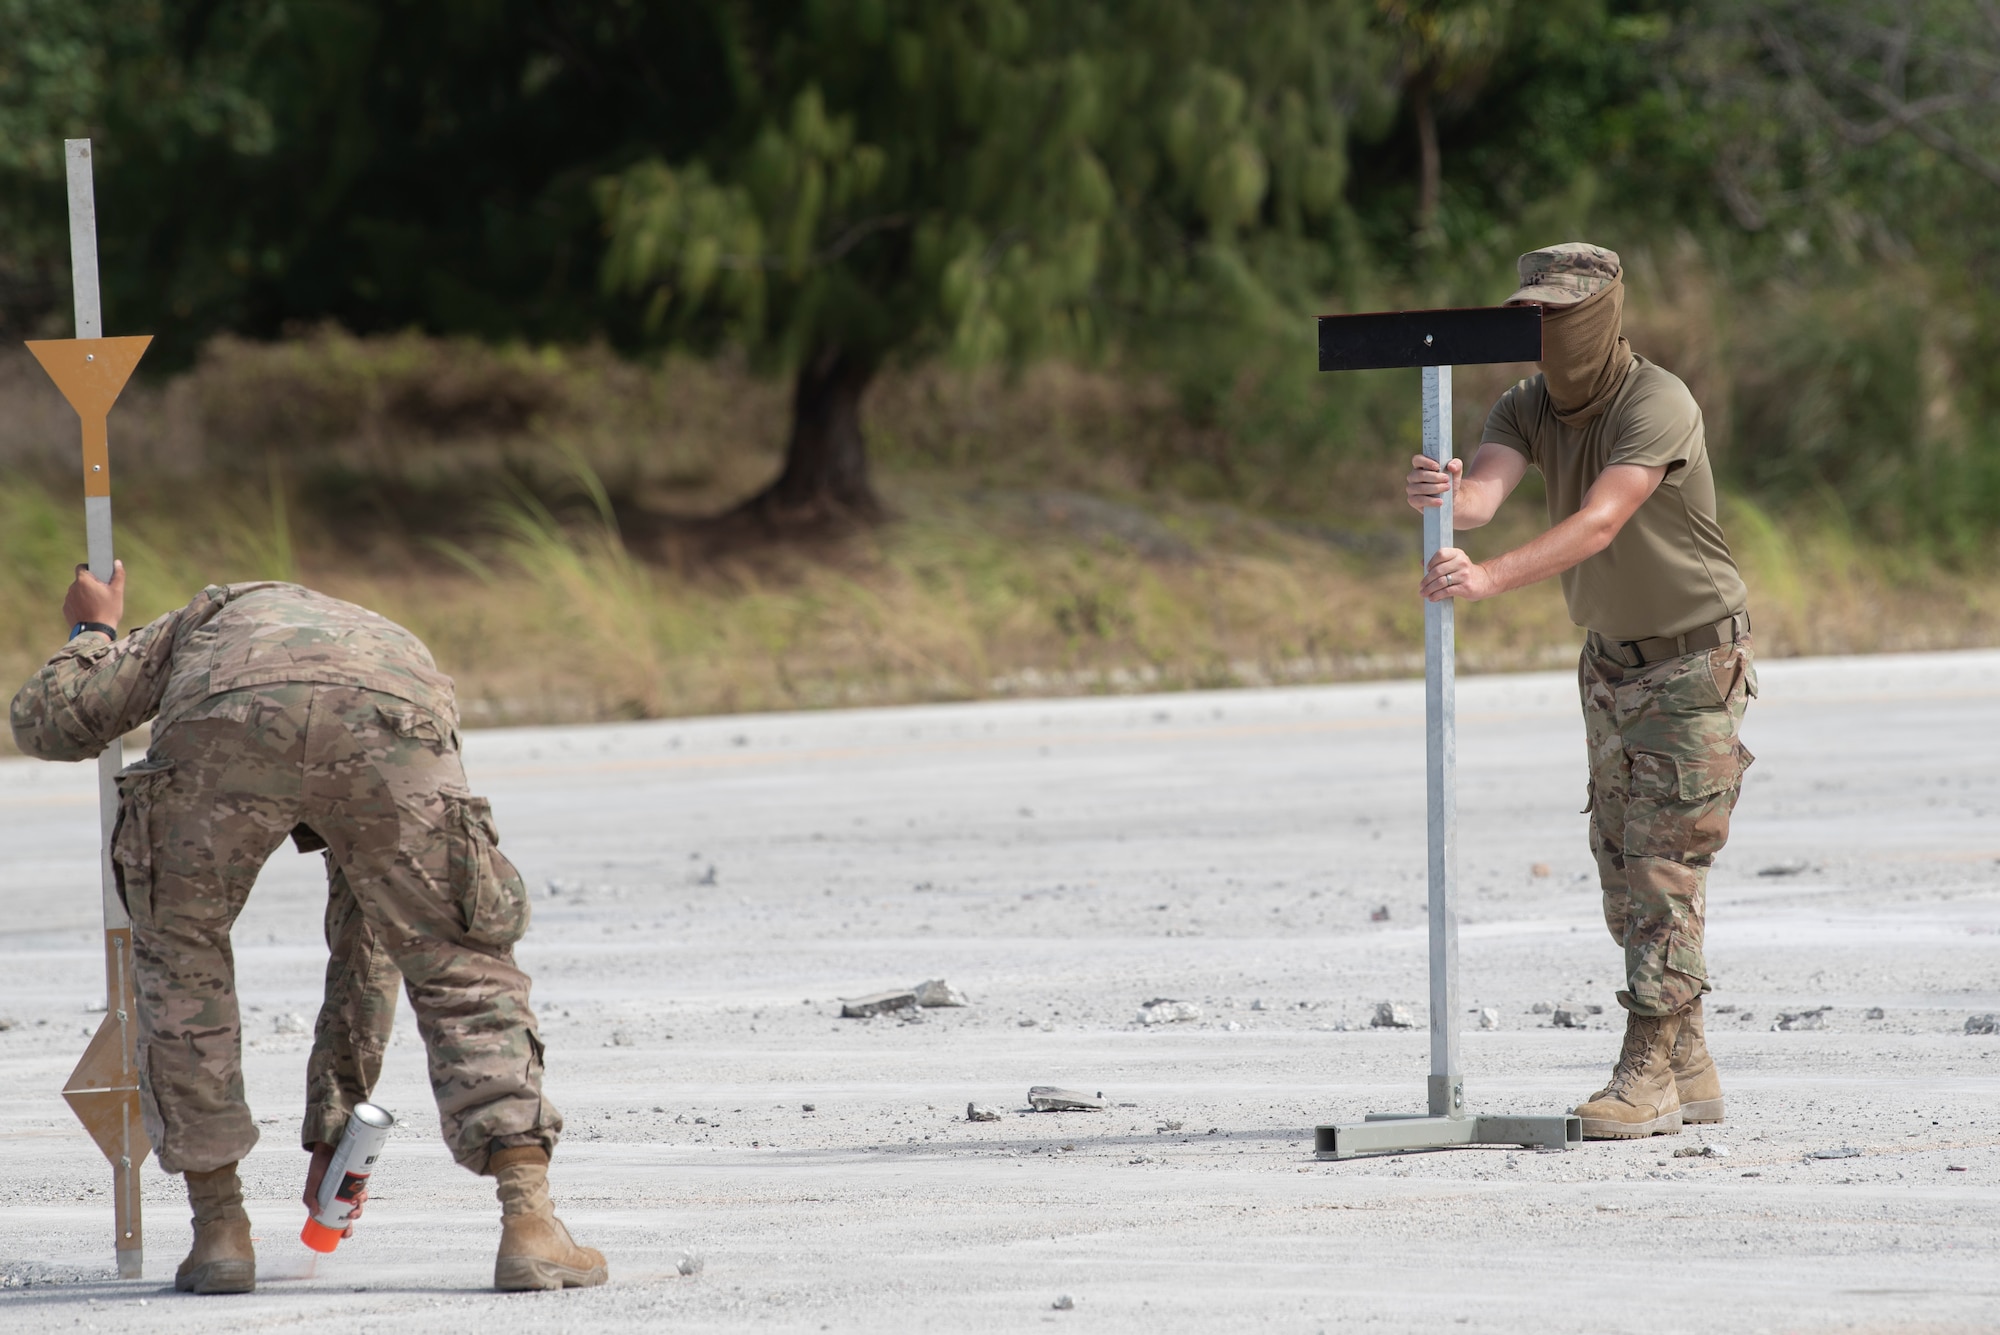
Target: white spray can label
{"x": 347, "y": 1175}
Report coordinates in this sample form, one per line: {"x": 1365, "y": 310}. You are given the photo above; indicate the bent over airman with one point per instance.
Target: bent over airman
{"x": 280, "y": 712}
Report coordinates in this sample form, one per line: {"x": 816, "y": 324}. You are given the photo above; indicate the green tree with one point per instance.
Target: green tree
{"x": 987, "y": 179}
{"x": 381, "y": 163}
{"x": 1447, "y": 47}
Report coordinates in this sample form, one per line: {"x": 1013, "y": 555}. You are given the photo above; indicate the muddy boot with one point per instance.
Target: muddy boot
{"x": 536, "y": 1251}
{"x": 1695, "y": 1079}
{"x": 222, "y": 1261}
{"x": 1641, "y": 1099}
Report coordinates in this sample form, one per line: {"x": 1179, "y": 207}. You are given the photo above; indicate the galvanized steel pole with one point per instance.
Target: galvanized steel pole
{"x": 1447, "y": 1086}
{"x": 90, "y": 370}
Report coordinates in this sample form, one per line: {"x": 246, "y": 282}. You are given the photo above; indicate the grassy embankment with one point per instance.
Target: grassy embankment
{"x": 1066, "y": 531}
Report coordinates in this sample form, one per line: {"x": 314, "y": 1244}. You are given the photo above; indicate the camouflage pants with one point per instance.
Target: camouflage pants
{"x": 1665, "y": 770}
{"x": 417, "y": 887}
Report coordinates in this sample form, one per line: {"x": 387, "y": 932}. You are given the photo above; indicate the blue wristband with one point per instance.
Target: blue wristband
{"x": 109, "y": 632}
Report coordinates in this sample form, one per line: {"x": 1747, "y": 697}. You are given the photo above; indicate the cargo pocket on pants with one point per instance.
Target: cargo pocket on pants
{"x": 492, "y": 899}
{"x": 132, "y": 835}
{"x": 1689, "y": 778}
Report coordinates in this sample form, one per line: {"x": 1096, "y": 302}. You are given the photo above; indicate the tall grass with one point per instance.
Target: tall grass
{"x": 1062, "y": 528}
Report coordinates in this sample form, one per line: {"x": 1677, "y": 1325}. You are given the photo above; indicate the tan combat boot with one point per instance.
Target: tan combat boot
{"x": 1695, "y": 1079}
{"x": 1641, "y": 1099}
{"x": 536, "y": 1251}
{"x": 222, "y": 1260}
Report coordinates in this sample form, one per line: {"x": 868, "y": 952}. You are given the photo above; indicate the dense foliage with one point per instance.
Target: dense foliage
{"x": 833, "y": 183}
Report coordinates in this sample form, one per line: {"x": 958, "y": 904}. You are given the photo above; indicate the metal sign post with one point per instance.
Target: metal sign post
{"x": 91, "y": 370}
{"x": 1436, "y": 341}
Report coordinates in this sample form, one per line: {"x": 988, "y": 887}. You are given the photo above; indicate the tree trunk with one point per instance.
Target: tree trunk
{"x": 826, "y": 459}
{"x": 1430, "y": 179}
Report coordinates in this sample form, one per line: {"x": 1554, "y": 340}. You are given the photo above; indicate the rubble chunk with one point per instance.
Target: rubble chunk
{"x": 1489, "y": 1018}
{"x": 1982, "y": 1024}
{"x": 1166, "y": 1010}
{"x": 937, "y": 992}
{"x": 878, "y": 1003}
{"x": 1392, "y": 1015}
{"x": 1812, "y": 1019}
{"x": 975, "y": 1112}
{"x": 1048, "y": 1098}
{"x": 690, "y": 1264}
{"x": 1380, "y": 914}
{"x": 1064, "y": 1304}
{"x": 1792, "y": 868}
{"x": 1874, "y": 1013}
{"x": 1541, "y": 1008}
{"x": 1838, "y": 1152}
{"x": 1570, "y": 1015}
{"x": 1702, "y": 1152}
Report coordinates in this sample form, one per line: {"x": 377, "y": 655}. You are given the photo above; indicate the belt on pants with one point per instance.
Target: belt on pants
{"x": 1643, "y": 653}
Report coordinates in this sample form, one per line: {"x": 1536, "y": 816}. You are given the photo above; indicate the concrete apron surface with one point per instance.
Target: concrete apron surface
{"x": 706, "y": 890}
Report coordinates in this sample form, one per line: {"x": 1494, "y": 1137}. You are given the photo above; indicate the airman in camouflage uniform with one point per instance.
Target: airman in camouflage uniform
{"x": 281, "y": 712}
{"x": 1666, "y": 669}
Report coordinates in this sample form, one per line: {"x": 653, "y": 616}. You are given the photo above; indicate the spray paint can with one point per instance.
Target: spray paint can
{"x": 346, "y": 1175}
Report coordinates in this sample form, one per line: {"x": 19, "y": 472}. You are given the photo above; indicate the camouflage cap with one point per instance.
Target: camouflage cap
{"x": 1565, "y": 274}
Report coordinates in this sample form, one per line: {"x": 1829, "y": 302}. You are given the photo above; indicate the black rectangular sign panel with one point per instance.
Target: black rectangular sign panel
{"x": 1462, "y": 337}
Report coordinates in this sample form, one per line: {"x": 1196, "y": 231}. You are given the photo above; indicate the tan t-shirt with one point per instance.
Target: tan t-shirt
{"x": 1669, "y": 569}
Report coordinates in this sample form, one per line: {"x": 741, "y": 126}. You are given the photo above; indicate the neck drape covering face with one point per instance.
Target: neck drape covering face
{"x": 1584, "y": 357}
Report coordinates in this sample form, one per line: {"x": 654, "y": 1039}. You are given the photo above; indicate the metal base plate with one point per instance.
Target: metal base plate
{"x": 1386, "y": 1132}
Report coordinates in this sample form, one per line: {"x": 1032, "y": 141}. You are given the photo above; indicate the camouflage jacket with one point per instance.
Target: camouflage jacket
{"x": 230, "y": 637}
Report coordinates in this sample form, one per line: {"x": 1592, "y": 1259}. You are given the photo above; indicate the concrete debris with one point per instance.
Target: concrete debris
{"x": 1165, "y": 1010}
{"x": 1792, "y": 868}
{"x": 1982, "y": 1024}
{"x": 621, "y": 1039}
{"x": 288, "y": 1022}
{"x": 1874, "y": 1013}
{"x": 937, "y": 992}
{"x": 1489, "y": 1018}
{"x": 1064, "y": 1304}
{"x": 1232, "y": 1026}
{"x": 1392, "y": 1015}
{"x": 1702, "y": 1152}
{"x": 1540, "y": 871}
{"x": 1380, "y": 914}
{"x": 690, "y": 1264}
{"x": 878, "y": 1003}
{"x": 1024, "y": 1023}
{"x": 1171, "y": 1125}
{"x": 1954, "y": 1168}
{"x": 1258, "y": 1004}
{"x": 1541, "y": 1008}
{"x": 1571, "y": 1015}
{"x": 803, "y": 1107}
{"x": 1838, "y": 1152}
{"x": 1724, "y": 1010}
{"x": 978, "y": 1113}
{"x": 1812, "y": 1019}
{"x": 6, "y": 1023}
{"x": 1047, "y": 1098}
